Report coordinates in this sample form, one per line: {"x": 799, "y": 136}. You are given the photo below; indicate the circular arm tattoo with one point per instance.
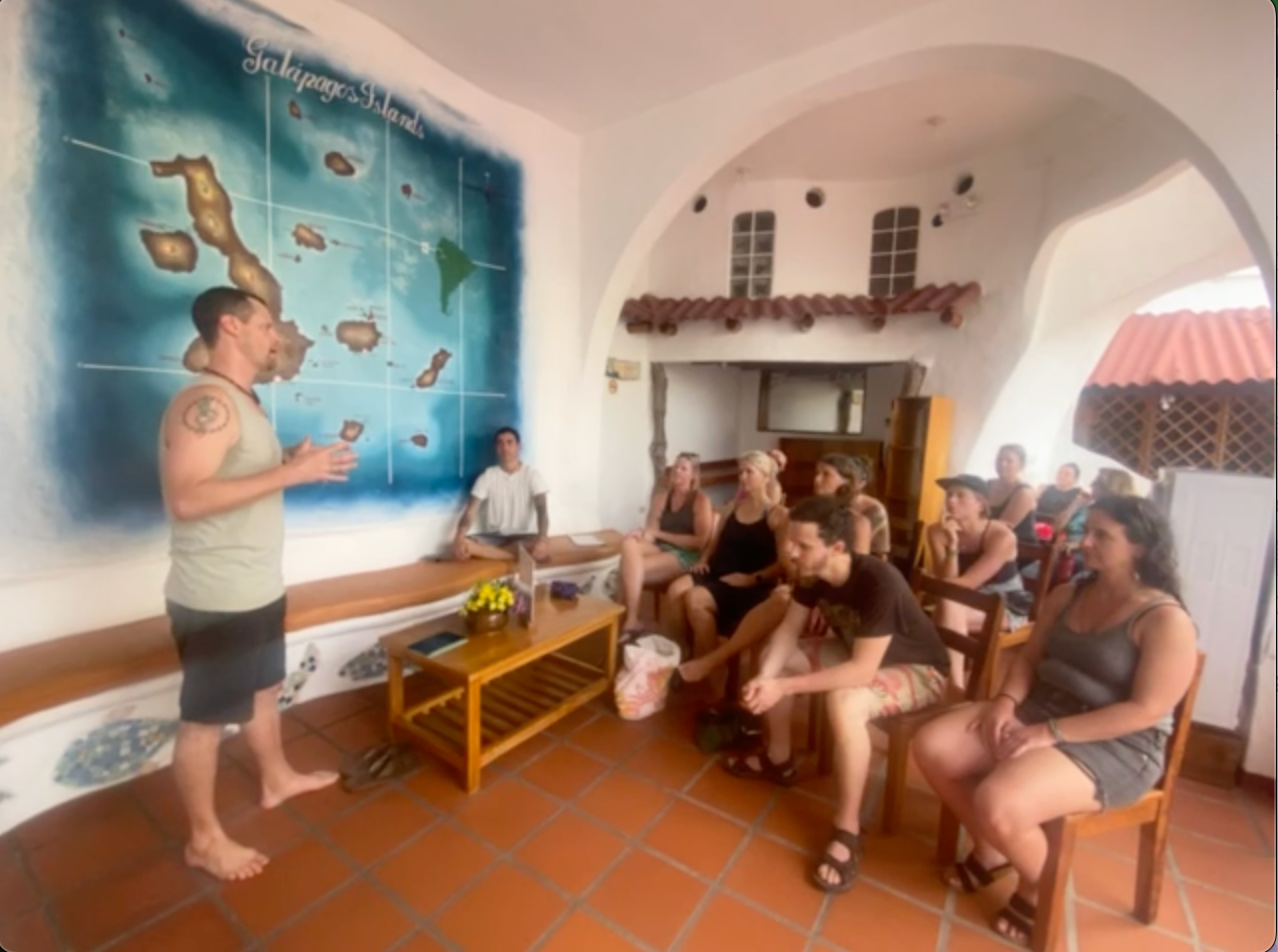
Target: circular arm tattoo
{"x": 206, "y": 414}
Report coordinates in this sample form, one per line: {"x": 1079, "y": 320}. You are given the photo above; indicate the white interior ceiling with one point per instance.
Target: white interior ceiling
{"x": 586, "y": 63}
{"x": 886, "y": 133}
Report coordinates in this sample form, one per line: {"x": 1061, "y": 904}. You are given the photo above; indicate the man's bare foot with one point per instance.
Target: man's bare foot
{"x": 225, "y": 859}
{"x": 295, "y": 785}
{"x": 695, "y": 670}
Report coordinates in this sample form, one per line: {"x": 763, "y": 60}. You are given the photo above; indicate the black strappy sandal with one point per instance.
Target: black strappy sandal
{"x": 1018, "y": 914}
{"x": 973, "y": 875}
{"x": 783, "y": 774}
{"x": 845, "y": 869}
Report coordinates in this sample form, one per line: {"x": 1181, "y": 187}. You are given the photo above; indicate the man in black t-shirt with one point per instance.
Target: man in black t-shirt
{"x": 883, "y": 657}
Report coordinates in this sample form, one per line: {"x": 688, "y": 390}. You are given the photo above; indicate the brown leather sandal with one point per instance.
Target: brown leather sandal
{"x": 784, "y": 774}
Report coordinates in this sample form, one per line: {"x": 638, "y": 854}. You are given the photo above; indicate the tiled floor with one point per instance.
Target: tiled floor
{"x": 602, "y": 836}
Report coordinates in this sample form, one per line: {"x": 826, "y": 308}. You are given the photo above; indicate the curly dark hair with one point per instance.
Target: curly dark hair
{"x": 1146, "y": 526}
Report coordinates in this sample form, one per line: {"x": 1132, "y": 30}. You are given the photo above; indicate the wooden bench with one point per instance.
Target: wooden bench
{"x": 52, "y": 673}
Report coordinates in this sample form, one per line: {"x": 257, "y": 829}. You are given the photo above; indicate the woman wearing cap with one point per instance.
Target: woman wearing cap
{"x": 680, "y": 521}
{"x": 1082, "y": 719}
{"x": 972, "y": 549}
{"x": 1011, "y": 499}
{"x": 835, "y": 476}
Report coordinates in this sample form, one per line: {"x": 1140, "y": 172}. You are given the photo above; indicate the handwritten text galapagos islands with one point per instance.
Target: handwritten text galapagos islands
{"x": 261, "y": 60}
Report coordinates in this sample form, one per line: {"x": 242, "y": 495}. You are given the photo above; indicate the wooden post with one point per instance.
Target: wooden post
{"x": 657, "y": 449}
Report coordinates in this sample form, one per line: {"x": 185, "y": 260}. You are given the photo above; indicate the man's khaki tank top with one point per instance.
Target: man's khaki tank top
{"x": 232, "y": 561}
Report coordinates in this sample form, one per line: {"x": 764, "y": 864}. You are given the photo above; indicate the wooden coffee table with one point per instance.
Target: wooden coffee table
{"x": 493, "y": 692}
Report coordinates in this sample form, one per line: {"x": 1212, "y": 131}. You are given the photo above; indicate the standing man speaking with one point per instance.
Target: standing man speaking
{"x": 223, "y": 474}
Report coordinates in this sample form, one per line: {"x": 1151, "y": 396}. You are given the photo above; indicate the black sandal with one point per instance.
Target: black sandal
{"x": 973, "y": 875}
{"x": 783, "y": 774}
{"x": 845, "y": 869}
{"x": 1018, "y": 914}
{"x": 380, "y": 764}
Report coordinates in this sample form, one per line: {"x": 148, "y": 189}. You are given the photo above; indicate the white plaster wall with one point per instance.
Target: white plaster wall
{"x": 1259, "y": 757}
{"x": 702, "y": 410}
{"x": 41, "y": 602}
{"x": 624, "y": 439}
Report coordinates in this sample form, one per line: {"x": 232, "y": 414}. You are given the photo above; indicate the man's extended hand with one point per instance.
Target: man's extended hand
{"x": 309, "y": 463}
{"x": 762, "y": 694}
{"x": 541, "y": 549}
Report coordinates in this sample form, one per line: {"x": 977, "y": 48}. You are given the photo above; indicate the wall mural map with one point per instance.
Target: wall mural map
{"x": 179, "y": 151}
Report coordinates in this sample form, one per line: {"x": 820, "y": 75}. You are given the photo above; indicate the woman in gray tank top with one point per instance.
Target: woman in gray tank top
{"x": 1082, "y": 718}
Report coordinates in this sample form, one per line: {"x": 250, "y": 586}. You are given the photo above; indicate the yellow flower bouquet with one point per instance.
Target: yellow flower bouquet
{"x": 486, "y": 608}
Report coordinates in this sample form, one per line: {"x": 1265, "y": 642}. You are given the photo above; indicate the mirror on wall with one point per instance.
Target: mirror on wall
{"x": 829, "y": 399}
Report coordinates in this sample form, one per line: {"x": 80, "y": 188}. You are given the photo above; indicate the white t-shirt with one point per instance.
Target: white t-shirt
{"x": 508, "y": 499}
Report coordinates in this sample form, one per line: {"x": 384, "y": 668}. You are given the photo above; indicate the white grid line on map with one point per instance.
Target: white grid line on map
{"x": 426, "y": 391}
{"x": 270, "y": 225}
{"x": 390, "y": 327}
{"x": 461, "y": 321}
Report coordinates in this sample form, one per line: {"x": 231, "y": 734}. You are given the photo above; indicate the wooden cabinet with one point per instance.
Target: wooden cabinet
{"x": 803, "y": 454}
{"x": 915, "y": 457}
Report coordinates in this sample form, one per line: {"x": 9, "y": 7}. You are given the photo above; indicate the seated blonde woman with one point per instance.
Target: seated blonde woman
{"x": 680, "y": 521}
{"x": 1083, "y": 716}
{"x": 972, "y": 549}
{"x": 740, "y": 565}
{"x": 835, "y": 476}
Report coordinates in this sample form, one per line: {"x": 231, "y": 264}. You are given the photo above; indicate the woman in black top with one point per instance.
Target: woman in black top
{"x": 742, "y": 562}
{"x": 1011, "y": 498}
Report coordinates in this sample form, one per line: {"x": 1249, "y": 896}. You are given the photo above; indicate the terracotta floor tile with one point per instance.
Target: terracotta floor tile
{"x": 357, "y": 733}
{"x": 776, "y": 876}
{"x": 504, "y": 911}
{"x": 1222, "y": 821}
{"x": 237, "y": 749}
{"x": 668, "y": 763}
{"x": 572, "y": 851}
{"x": 697, "y": 838}
{"x": 980, "y": 908}
{"x": 18, "y": 895}
{"x": 417, "y": 874}
{"x": 583, "y": 933}
{"x": 1230, "y": 924}
{"x": 571, "y": 722}
{"x": 563, "y": 772}
{"x": 269, "y": 831}
{"x": 610, "y": 737}
{"x": 868, "y": 920}
{"x": 379, "y": 826}
{"x": 438, "y": 784}
{"x": 822, "y": 786}
{"x": 359, "y": 917}
{"x": 728, "y": 924}
{"x": 964, "y": 939}
{"x": 648, "y": 898}
{"x": 235, "y": 792}
{"x": 513, "y": 760}
{"x": 313, "y": 752}
{"x": 69, "y": 820}
{"x": 98, "y": 849}
{"x": 1207, "y": 862}
{"x": 320, "y": 713}
{"x": 625, "y": 802}
{"x": 920, "y": 815}
{"x": 1207, "y": 790}
{"x": 506, "y": 812}
{"x": 289, "y": 884}
{"x": 800, "y": 820}
{"x": 104, "y": 910}
{"x": 905, "y": 863}
{"x": 421, "y": 942}
{"x": 199, "y": 927}
{"x": 1124, "y": 842}
{"x": 1101, "y": 931}
{"x": 1111, "y": 881}
{"x": 742, "y": 799}
{"x": 30, "y": 933}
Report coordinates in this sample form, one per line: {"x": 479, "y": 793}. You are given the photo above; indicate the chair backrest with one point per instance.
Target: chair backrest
{"x": 1183, "y": 720}
{"x": 1044, "y": 554}
{"x": 975, "y": 648}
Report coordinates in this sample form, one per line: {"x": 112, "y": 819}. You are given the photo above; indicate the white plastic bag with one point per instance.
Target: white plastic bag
{"x": 643, "y": 681}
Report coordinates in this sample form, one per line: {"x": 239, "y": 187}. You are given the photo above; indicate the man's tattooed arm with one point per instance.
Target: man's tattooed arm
{"x": 206, "y": 414}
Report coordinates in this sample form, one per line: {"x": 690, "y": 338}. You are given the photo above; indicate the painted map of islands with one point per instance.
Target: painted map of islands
{"x": 213, "y": 221}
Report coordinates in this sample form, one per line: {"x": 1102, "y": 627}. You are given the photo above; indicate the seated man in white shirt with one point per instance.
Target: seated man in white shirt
{"x": 513, "y": 495}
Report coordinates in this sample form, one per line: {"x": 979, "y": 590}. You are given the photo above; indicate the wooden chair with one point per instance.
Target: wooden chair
{"x": 1043, "y": 554}
{"x": 1152, "y": 813}
{"x": 901, "y": 728}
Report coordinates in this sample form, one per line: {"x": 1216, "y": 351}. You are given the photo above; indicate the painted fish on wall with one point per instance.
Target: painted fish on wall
{"x": 296, "y": 680}
{"x": 121, "y": 748}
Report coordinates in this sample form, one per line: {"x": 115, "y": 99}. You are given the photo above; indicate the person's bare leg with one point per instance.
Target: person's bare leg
{"x": 702, "y": 620}
{"x": 493, "y": 553}
{"x": 777, "y": 720}
{"x": 195, "y": 772}
{"x": 850, "y": 711}
{"x": 280, "y": 781}
{"x": 659, "y": 568}
{"x": 958, "y": 618}
{"x": 632, "y": 572}
{"x": 676, "y": 599}
{"x": 758, "y": 624}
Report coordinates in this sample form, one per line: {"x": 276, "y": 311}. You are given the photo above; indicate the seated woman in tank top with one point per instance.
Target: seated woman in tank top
{"x": 741, "y": 564}
{"x": 835, "y": 476}
{"x": 1012, "y": 500}
{"x": 856, "y": 471}
{"x": 1083, "y": 716}
{"x": 680, "y": 521}
{"x": 973, "y": 549}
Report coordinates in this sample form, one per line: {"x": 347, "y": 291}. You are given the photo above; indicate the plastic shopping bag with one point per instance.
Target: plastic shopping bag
{"x": 643, "y": 682}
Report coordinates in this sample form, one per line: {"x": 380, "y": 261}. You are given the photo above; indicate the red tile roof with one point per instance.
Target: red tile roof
{"x": 930, "y": 299}
{"x": 1189, "y": 347}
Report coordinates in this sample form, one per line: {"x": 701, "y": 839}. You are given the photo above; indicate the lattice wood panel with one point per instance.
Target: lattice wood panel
{"x": 1187, "y": 432}
{"x": 1117, "y": 428}
{"x": 1249, "y": 436}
